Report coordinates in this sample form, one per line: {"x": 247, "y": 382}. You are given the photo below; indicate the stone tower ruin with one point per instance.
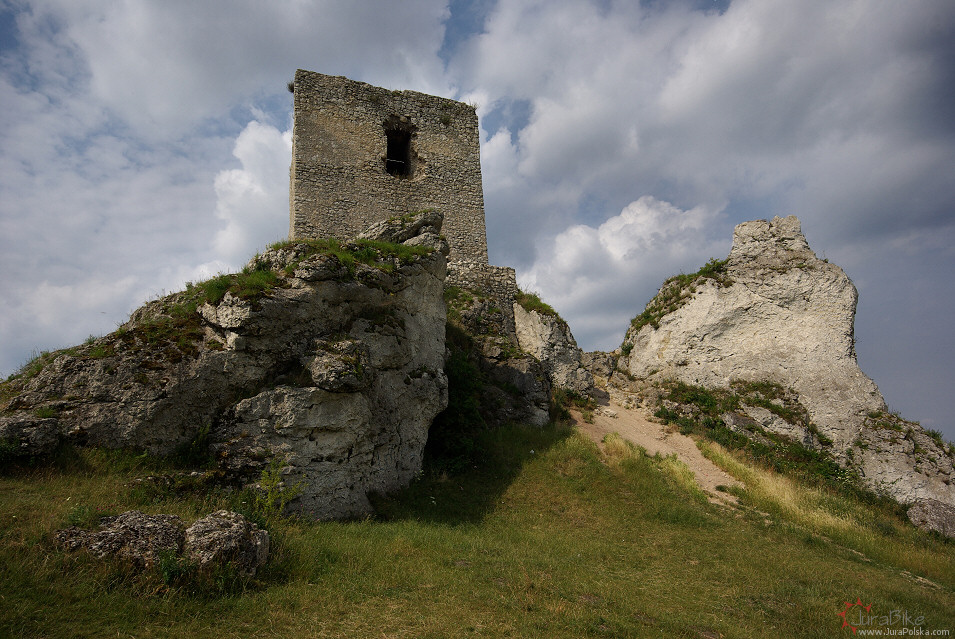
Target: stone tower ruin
{"x": 362, "y": 154}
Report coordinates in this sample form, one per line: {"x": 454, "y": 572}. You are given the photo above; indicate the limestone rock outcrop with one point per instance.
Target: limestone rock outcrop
{"x": 933, "y": 515}
{"x": 775, "y": 312}
{"x": 141, "y": 541}
{"x": 326, "y": 356}
{"x": 548, "y": 338}
{"x": 133, "y": 537}
{"x": 518, "y": 385}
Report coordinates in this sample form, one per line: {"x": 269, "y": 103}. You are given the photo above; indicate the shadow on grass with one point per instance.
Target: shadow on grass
{"x": 455, "y": 490}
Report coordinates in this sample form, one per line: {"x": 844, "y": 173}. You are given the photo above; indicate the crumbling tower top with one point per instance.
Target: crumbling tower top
{"x": 362, "y": 154}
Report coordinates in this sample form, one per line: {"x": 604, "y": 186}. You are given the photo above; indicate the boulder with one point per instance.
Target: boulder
{"x": 418, "y": 228}
{"x": 934, "y": 515}
{"x": 225, "y": 537}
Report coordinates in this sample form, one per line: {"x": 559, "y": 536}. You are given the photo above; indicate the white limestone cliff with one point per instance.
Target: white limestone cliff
{"x": 776, "y": 312}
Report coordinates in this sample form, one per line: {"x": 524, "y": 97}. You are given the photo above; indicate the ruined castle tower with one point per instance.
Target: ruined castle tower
{"x": 362, "y": 154}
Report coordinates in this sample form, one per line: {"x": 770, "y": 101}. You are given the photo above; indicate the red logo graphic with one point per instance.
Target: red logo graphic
{"x": 849, "y": 606}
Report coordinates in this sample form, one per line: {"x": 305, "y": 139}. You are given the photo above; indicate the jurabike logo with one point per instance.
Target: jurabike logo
{"x": 846, "y": 614}
{"x": 861, "y": 620}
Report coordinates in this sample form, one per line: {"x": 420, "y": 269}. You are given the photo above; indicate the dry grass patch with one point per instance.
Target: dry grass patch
{"x": 878, "y": 532}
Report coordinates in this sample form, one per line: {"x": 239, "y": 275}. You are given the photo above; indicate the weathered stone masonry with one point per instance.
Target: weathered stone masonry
{"x": 362, "y": 154}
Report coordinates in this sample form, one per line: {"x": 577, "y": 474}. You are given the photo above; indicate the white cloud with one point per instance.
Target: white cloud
{"x": 253, "y": 200}
{"x": 164, "y": 66}
{"x": 600, "y": 277}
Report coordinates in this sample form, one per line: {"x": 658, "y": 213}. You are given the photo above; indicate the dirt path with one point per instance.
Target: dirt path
{"x": 635, "y": 425}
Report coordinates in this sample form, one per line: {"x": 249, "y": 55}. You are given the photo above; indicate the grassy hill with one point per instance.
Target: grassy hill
{"x": 542, "y": 533}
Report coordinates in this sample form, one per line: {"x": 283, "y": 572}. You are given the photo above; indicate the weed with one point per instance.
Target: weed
{"x": 213, "y": 289}
{"x": 533, "y": 302}
{"x": 937, "y": 437}
{"x": 100, "y": 351}
{"x": 84, "y": 516}
{"x": 175, "y": 570}
{"x": 34, "y": 364}
{"x": 195, "y": 452}
{"x": 273, "y": 495}
{"x": 46, "y": 412}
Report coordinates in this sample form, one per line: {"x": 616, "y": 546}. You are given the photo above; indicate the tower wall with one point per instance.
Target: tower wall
{"x": 362, "y": 154}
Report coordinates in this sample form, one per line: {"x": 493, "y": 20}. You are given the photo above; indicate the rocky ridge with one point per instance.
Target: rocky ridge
{"x": 326, "y": 357}
{"x": 547, "y": 337}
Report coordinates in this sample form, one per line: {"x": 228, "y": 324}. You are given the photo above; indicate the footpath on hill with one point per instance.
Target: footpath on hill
{"x": 637, "y": 426}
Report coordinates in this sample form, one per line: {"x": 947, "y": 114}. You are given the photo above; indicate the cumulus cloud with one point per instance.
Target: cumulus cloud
{"x": 163, "y": 66}
{"x": 253, "y": 200}
{"x": 840, "y": 112}
{"x": 769, "y": 103}
{"x": 600, "y": 277}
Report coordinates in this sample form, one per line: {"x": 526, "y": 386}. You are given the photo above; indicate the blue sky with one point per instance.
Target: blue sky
{"x": 144, "y": 144}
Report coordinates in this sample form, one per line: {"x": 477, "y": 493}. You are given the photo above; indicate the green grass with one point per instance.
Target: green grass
{"x": 780, "y": 454}
{"x": 542, "y": 535}
{"x": 877, "y": 531}
{"x": 533, "y": 302}
{"x": 384, "y": 256}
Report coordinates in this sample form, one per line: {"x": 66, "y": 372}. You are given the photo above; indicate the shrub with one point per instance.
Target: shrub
{"x": 45, "y": 412}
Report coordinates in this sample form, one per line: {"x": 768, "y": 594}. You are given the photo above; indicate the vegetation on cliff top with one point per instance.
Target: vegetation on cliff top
{"x": 171, "y": 327}
{"x": 677, "y": 291}
{"x": 532, "y": 302}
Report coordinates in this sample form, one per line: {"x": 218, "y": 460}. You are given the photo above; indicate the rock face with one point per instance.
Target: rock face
{"x": 548, "y": 338}
{"x": 328, "y": 357}
{"x": 774, "y": 312}
{"x": 518, "y": 386}
{"x": 933, "y": 515}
